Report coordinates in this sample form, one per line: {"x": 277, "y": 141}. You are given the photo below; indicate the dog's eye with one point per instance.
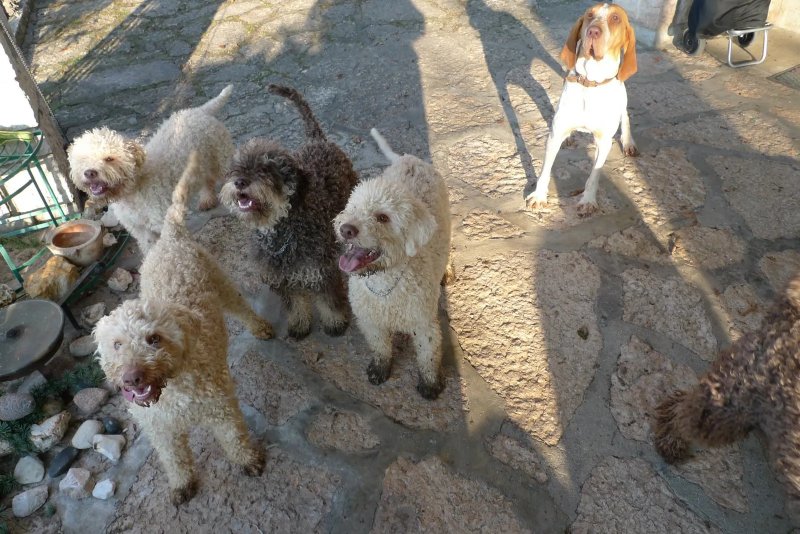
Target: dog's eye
{"x": 382, "y": 218}
{"x": 117, "y": 345}
{"x": 153, "y": 340}
{"x": 589, "y": 15}
{"x": 109, "y": 159}
{"x": 615, "y": 17}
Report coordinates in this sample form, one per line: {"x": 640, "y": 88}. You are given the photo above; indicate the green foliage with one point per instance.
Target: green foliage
{"x": 22, "y": 242}
{"x": 80, "y": 377}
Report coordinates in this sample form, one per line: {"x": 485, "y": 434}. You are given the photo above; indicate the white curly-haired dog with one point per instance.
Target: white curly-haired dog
{"x": 137, "y": 181}
{"x": 167, "y": 351}
{"x": 396, "y": 232}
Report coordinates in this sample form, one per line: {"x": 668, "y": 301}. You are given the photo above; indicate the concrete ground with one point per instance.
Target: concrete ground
{"x": 561, "y": 332}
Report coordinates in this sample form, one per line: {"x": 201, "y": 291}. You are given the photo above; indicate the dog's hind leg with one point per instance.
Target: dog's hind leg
{"x": 231, "y": 432}
{"x": 332, "y": 306}
{"x": 428, "y": 343}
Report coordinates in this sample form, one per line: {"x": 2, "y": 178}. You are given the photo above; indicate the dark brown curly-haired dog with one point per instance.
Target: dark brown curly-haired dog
{"x": 290, "y": 198}
{"x": 754, "y": 383}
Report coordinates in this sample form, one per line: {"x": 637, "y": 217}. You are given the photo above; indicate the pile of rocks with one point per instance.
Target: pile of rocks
{"x": 52, "y": 445}
{"x": 50, "y": 438}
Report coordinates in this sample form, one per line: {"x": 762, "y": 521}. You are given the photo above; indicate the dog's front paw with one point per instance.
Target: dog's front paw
{"x": 256, "y": 466}
{"x": 182, "y": 494}
{"x": 430, "y": 390}
{"x": 263, "y": 330}
{"x": 535, "y": 202}
{"x": 207, "y": 202}
{"x": 586, "y": 208}
{"x": 378, "y": 373}
{"x": 335, "y": 329}
{"x": 299, "y": 331}
{"x": 672, "y": 449}
{"x": 630, "y": 150}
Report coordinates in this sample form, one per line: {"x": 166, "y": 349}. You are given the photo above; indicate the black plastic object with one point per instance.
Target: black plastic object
{"x": 708, "y": 18}
{"x": 30, "y": 333}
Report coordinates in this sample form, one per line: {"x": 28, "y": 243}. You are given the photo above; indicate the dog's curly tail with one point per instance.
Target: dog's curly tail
{"x": 176, "y": 214}
{"x": 390, "y": 154}
{"x": 313, "y": 129}
{"x": 213, "y": 106}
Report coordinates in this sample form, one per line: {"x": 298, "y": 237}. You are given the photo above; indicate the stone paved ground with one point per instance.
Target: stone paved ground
{"x": 562, "y": 332}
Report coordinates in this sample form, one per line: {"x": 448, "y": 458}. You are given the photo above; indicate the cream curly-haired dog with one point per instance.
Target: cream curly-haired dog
{"x": 167, "y": 351}
{"x": 137, "y": 181}
{"x": 396, "y": 231}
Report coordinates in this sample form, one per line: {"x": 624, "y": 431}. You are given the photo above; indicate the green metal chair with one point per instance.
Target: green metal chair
{"x": 18, "y": 155}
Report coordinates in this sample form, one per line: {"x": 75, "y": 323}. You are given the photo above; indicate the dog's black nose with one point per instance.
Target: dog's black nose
{"x": 133, "y": 377}
{"x": 240, "y": 183}
{"x": 348, "y": 231}
{"x": 90, "y": 174}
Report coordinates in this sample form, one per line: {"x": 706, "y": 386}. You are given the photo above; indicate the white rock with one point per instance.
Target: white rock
{"x": 29, "y": 501}
{"x": 32, "y": 381}
{"x": 88, "y": 430}
{"x": 120, "y": 280}
{"x": 82, "y": 346}
{"x": 109, "y": 219}
{"x": 109, "y": 240}
{"x": 76, "y": 483}
{"x": 91, "y": 314}
{"x": 104, "y": 489}
{"x": 109, "y": 446}
{"x": 29, "y": 469}
{"x": 49, "y": 432}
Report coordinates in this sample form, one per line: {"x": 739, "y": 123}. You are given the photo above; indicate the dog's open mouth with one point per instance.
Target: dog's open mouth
{"x": 356, "y": 258}
{"x": 143, "y": 396}
{"x": 247, "y": 203}
{"x": 98, "y": 189}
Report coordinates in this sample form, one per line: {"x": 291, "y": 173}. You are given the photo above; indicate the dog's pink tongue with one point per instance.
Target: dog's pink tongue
{"x": 348, "y": 263}
{"x": 128, "y": 394}
{"x": 245, "y": 203}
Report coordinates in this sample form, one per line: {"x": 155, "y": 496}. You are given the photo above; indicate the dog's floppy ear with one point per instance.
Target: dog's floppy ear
{"x": 137, "y": 151}
{"x": 629, "y": 65}
{"x": 292, "y": 175}
{"x": 420, "y": 229}
{"x": 569, "y": 54}
{"x": 190, "y": 324}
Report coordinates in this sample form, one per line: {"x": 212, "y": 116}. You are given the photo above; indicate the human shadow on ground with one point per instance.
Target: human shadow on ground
{"x": 510, "y": 49}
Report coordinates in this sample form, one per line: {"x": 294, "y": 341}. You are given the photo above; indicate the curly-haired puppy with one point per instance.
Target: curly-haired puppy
{"x": 138, "y": 180}
{"x": 396, "y": 231}
{"x": 290, "y": 198}
{"x": 754, "y": 383}
{"x": 167, "y": 351}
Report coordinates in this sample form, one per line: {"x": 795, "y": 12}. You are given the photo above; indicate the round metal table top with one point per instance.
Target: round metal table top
{"x": 30, "y": 332}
